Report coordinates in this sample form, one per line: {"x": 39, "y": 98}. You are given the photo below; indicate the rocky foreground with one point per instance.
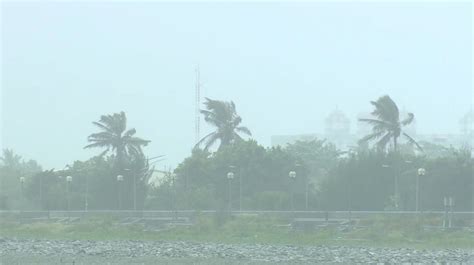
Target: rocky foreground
{"x": 244, "y": 253}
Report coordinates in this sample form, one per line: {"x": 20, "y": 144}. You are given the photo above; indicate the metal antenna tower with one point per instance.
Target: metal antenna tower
{"x": 197, "y": 99}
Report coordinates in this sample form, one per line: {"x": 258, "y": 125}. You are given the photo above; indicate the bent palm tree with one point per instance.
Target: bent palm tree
{"x": 387, "y": 126}
{"x": 223, "y": 116}
{"x": 114, "y": 137}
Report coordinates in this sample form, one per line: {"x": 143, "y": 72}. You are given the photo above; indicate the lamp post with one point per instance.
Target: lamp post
{"x": 240, "y": 185}
{"x": 129, "y": 171}
{"x": 119, "y": 191}
{"x": 41, "y": 192}
{"x": 396, "y": 176}
{"x": 421, "y": 172}
{"x": 22, "y": 194}
{"x": 298, "y": 167}
{"x": 230, "y": 176}
{"x": 396, "y": 196}
{"x": 86, "y": 194}
{"x": 68, "y": 180}
{"x": 175, "y": 196}
{"x": 292, "y": 175}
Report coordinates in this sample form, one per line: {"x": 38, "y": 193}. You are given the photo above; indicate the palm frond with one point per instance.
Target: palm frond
{"x": 408, "y": 119}
{"x": 243, "y": 129}
{"x": 377, "y": 122}
{"x": 371, "y": 137}
{"x": 203, "y": 140}
{"x": 101, "y": 135}
{"x": 102, "y": 126}
{"x": 386, "y": 109}
{"x": 382, "y": 143}
{"x": 122, "y": 122}
{"x": 97, "y": 144}
{"x": 412, "y": 141}
{"x": 130, "y": 132}
{"x": 104, "y": 152}
{"x": 135, "y": 141}
{"x": 211, "y": 141}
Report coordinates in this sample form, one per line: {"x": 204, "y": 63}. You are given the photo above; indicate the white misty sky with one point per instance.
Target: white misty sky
{"x": 286, "y": 66}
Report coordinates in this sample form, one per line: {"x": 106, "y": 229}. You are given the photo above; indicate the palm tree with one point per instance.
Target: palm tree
{"x": 116, "y": 138}
{"x": 223, "y": 116}
{"x": 386, "y": 124}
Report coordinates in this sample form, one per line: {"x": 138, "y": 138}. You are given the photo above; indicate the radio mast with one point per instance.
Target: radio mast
{"x": 197, "y": 102}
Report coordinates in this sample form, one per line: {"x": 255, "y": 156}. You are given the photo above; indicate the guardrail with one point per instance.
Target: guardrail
{"x": 191, "y": 213}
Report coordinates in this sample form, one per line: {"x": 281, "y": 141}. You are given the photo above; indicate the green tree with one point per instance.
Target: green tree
{"x": 319, "y": 156}
{"x": 387, "y": 126}
{"x": 260, "y": 175}
{"x": 12, "y": 169}
{"x": 10, "y": 159}
{"x": 223, "y": 116}
{"x": 95, "y": 179}
{"x": 115, "y": 137}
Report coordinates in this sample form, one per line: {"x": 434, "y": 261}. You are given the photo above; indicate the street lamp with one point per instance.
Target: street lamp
{"x": 134, "y": 189}
{"x": 298, "y": 166}
{"x": 396, "y": 176}
{"x": 68, "y": 180}
{"x": 240, "y": 185}
{"x": 396, "y": 196}
{"x": 22, "y": 194}
{"x": 421, "y": 172}
{"x": 230, "y": 176}
{"x": 292, "y": 175}
{"x": 175, "y": 195}
{"x": 119, "y": 185}
{"x": 86, "y": 194}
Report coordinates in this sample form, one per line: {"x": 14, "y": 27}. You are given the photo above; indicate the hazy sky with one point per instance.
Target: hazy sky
{"x": 285, "y": 65}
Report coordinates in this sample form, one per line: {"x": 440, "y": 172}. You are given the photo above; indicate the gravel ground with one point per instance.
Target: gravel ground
{"x": 20, "y": 251}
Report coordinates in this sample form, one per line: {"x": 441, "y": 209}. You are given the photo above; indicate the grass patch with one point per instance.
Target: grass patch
{"x": 380, "y": 231}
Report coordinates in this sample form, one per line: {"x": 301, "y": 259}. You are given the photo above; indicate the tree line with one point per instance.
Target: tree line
{"x": 379, "y": 176}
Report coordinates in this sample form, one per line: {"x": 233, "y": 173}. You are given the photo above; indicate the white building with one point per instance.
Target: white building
{"x": 338, "y": 131}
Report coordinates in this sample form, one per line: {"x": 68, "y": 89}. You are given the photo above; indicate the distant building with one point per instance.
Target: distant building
{"x": 337, "y": 123}
{"x": 337, "y": 130}
{"x": 157, "y": 178}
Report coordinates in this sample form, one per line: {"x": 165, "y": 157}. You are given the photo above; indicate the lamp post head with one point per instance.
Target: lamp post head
{"x": 69, "y": 178}
{"x": 119, "y": 178}
{"x": 421, "y": 171}
{"x": 292, "y": 174}
{"x": 230, "y": 175}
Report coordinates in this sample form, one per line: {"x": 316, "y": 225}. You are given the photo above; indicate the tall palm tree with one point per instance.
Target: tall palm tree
{"x": 223, "y": 116}
{"x": 386, "y": 124}
{"x": 116, "y": 138}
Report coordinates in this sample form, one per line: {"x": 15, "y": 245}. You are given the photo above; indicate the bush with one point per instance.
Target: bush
{"x": 272, "y": 200}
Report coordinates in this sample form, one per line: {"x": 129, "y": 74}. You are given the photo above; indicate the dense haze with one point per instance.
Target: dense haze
{"x": 285, "y": 65}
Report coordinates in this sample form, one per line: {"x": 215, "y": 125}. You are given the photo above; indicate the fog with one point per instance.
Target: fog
{"x": 236, "y": 133}
{"x": 286, "y": 66}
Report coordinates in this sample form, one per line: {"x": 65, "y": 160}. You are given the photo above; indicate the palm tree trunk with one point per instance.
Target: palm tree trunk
{"x": 119, "y": 160}
{"x": 395, "y": 144}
